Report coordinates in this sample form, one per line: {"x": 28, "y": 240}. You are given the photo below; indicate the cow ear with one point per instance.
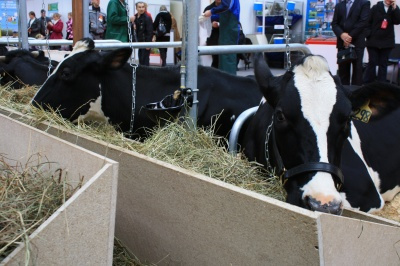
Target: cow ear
{"x": 116, "y": 59}
{"x": 381, "y": 97}
{"x": 266, "y": 81}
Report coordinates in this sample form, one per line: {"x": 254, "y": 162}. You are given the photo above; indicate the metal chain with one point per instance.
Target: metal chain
{"x": 132, "y": 63}
{"x": 47, "y": 41}
{"x": 267, "y": 135}
{"x": 288, "y": 63}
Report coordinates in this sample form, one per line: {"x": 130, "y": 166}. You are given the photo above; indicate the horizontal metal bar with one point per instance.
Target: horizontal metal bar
{"x": 99, "y": 44}
{"x": 203, "y": 50}
{"x": 36, "y": 42}
{"x": 137, "y": 45}
{"x": 252, "y": 48}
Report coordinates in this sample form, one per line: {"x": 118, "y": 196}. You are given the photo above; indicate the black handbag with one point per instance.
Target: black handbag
{"x": 346, "y": 55}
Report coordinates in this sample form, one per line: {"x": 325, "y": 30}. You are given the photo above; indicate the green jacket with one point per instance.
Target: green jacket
{"x": 117, "y": 27}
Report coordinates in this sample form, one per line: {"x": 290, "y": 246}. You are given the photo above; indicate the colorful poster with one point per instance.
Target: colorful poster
{"x": 52, "y": 8}
{"x": 319, "y": 17}
{"x": 9, "y": 15}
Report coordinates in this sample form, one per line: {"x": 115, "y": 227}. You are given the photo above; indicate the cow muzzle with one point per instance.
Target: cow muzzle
{"x": 332, "y": 207}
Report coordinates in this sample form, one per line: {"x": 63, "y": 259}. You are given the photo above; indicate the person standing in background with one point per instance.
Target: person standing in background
{"x": 70, "y": 32}
{"x": 214, "y": 36}
{"x": 55, "y": 27}
{"x": 33, "y": 25}
{"x": 97, "y": 21}
{"x": 117, "y": 21}
{"x": 143, "y": 26}
{"x": 147, "y": 12}
{"x": 43, "y": 20}
{"x": 229, "y": 12}
{"x": 380, "y": 42}
{"x": 165, "y": 17}
{"x": 350, "y": 25}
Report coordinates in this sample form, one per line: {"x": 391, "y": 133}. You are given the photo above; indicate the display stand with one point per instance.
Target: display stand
{"x": 271, "y": 20}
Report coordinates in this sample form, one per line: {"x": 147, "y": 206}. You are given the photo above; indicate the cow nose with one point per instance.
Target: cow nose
{"x": 333, "y": 207}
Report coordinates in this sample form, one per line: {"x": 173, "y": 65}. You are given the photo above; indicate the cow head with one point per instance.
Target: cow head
{"x": 75, "y": 85}
{"x": 310, "y": 118}
{"x": 21, "y": 68}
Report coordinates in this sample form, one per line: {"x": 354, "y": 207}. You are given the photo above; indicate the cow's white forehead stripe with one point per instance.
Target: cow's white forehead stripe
{"x": 317, "y": 91}
{"x": 79, "y": 47}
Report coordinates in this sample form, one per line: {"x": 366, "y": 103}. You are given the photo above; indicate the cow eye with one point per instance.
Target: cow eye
{"x": 66, "y": 73}
{"x": 280, "y": 116}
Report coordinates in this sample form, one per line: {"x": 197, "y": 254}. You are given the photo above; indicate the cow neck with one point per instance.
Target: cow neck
{"x": 284, "y": 174}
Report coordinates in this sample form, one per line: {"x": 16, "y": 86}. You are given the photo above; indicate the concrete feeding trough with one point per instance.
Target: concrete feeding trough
{"x": 81, "y": 231}
{"x": 170, "y": 216}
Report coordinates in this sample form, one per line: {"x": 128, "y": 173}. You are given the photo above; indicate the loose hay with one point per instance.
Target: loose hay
{"x": 391, "y": 210}
{"x": 203, "y": 152}
{"x": 200, "y": 151}
{"x": 29, "y": 194}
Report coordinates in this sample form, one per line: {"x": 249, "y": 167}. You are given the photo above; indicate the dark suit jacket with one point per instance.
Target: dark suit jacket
{"x": 35, "y": 27}
{"x": 356, "y": 24}
{"x": 378, "y": 37}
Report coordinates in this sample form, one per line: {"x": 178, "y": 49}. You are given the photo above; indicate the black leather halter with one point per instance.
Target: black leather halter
{"x": 285, "y": 174}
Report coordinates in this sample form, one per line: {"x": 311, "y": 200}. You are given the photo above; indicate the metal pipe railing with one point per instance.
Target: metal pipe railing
{"x": 237, "y": 126}
{"x": 252, "y": 48}
{"x": 202, "y": 50}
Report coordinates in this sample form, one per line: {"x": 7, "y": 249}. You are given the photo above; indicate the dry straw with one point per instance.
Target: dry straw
{"x": 200, "y": 151}
{"x": 29, "y": 194}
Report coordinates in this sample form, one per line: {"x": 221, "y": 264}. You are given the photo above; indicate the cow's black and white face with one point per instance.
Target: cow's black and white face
{"x": 311, "y": 119}
{"x": 311, "y": 123}
{"x": 310, "y": 112}
{"x": 74, "y": 87}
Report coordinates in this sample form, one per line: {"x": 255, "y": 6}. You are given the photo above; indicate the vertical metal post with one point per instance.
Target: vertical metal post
{"x": 85, "y": 15}
{"x": 191, "y": 13}
{"x": 183, "y": 47}
{"x": 23, "y": 24}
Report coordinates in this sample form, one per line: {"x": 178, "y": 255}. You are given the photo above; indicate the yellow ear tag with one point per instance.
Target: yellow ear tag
{"x": 363, "y": 113}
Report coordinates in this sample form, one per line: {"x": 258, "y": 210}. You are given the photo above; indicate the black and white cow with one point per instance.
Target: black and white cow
{"x": 88, "y": 83}
{"x": 306, "y": 129}
{"x": 22, "y": 67}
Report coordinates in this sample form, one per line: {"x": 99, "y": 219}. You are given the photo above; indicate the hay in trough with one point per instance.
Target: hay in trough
{"x": 29, "y": 194}
{"x": 200, "y": 151}
{"x": 203, "y": 152}
{"x": 391, "y": 210}
{"x": 20, "y": 96}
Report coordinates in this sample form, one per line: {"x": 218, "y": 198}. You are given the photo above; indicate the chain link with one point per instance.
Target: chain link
{"x": 288, "y": 63}
{"x": 267, "y": 136}
{"x": 46, "y": 31}
{"x": 132, "y": 63}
